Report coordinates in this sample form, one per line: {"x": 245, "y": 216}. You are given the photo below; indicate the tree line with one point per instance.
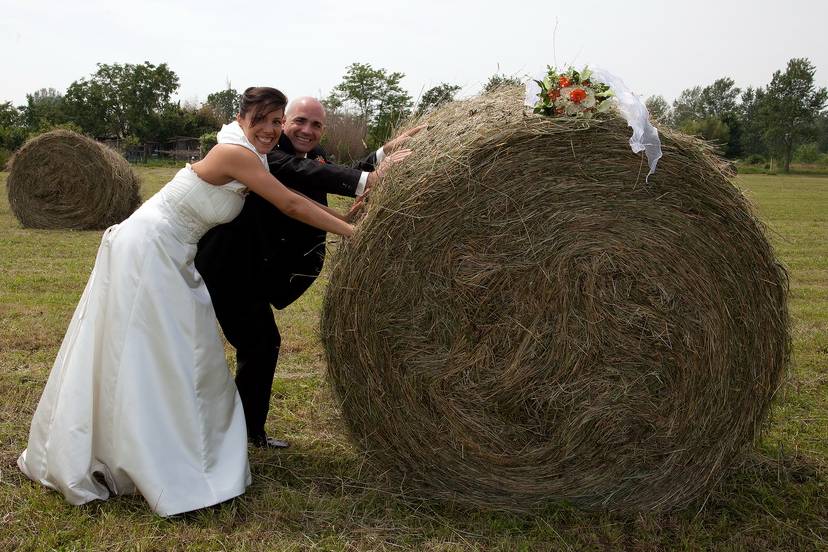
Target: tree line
{"x": 785, "y": 120}
{"x": 132, "y": 103}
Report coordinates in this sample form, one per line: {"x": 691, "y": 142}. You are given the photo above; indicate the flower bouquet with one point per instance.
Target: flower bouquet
{"x": 572, "y": 93}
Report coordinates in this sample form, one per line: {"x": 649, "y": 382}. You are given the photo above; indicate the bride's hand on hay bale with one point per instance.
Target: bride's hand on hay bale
{"x": 383, "y": 167}
{"x": 356, "y": 209}
{"x": 401, "y": 140}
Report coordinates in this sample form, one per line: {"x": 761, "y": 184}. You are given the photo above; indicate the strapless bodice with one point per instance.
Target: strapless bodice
{"x": 193, "y": 206}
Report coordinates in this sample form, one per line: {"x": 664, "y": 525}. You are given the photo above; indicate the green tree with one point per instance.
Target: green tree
{"x": 688, "y": 106}
{"x": 792, "y": 104}
{"x": 376, "y": 96}
{"x": 436, "y": 96}
{"x": 9, "y": 115}
{"x": 497, "y": 80}
{"x": 659, "y": 109}
{"x": 225, "y": 104}
{"x": 807, "y": 153}
{"x": 12, "y": 132}
{"x": 44, "y": 109}
{"x": 711, "y": 129}
{"x": 697, "y": 107}
{"x": 186, "y": 120}
{"x": 388, "y": 120}
{"x": 822, "y": 132}
{"x": 206, "y": 142}
{"x": 90, "y": 106}
{"x": 752, "y": 138}
{"x": 122, "y": 100}
{"x": 720, "y": 99}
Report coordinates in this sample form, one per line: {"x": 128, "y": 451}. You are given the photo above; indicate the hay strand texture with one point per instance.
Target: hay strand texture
{"x": 63, "y": 180}
{"x": 521, "y": 318}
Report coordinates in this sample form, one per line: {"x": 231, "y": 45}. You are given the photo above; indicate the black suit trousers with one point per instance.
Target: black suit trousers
{"x": 248, "y": 323}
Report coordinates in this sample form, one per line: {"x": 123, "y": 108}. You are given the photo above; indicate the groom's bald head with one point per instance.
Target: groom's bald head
{"x": 304, "y": 123}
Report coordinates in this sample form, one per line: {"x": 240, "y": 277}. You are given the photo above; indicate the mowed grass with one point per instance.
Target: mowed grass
{"x": 318, "y": 495}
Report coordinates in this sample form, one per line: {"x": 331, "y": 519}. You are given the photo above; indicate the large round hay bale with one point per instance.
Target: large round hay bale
{"x": 63, "y": 180}
{"x": 521, "y": 318}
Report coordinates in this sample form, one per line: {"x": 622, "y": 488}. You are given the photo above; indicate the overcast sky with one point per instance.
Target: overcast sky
{"x": 303, "y": 48}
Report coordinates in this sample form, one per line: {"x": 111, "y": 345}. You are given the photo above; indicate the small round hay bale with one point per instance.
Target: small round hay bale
{"x": 63, "y": 180}
{"x": 522, "y": 318}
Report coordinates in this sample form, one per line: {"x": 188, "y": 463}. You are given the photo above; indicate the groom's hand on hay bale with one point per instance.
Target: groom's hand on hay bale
{"x": 383, "y": 167}
{"x": 398, "y": 142}
{"x": 394, "y": 153}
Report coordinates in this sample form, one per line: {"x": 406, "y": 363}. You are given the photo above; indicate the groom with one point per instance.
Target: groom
{"x": 264, "y": 258}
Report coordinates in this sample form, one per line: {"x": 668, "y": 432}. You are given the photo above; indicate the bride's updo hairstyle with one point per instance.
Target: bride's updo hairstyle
{"x": 261, "y": 100}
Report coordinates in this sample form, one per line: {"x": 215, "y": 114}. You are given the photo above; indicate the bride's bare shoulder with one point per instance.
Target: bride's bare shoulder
{"x": 223, "y": 163}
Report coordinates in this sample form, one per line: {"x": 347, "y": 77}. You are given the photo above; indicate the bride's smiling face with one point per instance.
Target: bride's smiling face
{"x": 262, "y": 132}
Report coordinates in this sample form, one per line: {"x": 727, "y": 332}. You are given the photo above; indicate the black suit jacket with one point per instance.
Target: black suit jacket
{"x": 278, "y": 257}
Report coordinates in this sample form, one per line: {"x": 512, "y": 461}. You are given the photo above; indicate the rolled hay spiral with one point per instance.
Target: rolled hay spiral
{"x": 520, "y": 318}
{"x": 63, "y": 180}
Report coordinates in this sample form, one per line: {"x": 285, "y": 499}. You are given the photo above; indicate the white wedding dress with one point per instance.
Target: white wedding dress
{"x": 140, "y": 396}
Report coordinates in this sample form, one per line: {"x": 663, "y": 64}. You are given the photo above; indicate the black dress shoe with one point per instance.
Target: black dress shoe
{"x": 263, "y": 441}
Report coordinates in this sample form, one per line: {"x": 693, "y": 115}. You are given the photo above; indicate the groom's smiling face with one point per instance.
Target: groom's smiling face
{"x": 305, "y": 123}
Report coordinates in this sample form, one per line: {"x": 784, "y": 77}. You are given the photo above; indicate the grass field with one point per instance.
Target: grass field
{"x": 317, "y": 496}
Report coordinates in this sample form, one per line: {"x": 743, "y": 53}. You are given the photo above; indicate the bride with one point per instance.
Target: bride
{"x": 140, "y": 397}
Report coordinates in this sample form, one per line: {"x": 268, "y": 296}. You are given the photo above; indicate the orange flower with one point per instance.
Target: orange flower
{"x": 553, "y": 94}
{"x": 564, "y": 81}
{"x": 578, "y": 95}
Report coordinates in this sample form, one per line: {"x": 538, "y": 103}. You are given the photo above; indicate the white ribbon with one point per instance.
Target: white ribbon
{"x": 532, "y": 91}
